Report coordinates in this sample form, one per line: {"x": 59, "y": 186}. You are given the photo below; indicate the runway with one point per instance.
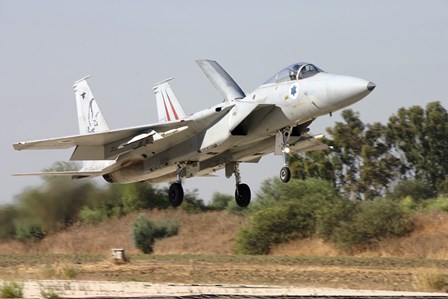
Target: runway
{"x": 110, "y": 289}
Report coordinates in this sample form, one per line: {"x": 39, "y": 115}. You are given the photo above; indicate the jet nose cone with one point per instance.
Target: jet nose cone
{"x": 371, "y": 86}
{"x": 344, "y": 90}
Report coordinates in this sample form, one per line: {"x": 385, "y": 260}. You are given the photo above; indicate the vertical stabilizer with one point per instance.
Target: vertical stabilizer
{"x": 90, "y": 121}
{"x": 221, "y": 80}
{"x": 168, "y": 107}
{"x": 90, "y": 118}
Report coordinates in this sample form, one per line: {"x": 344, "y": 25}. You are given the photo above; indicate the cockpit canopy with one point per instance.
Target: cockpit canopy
{"x": 295, "y": 71}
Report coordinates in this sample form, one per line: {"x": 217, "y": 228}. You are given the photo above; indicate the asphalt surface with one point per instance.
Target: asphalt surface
{"x": 111, "y": 289}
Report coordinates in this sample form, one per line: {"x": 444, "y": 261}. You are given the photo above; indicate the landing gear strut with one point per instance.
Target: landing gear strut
{"x": 285, "y": 172}
{"x": 242, "y": 191}
{"x": 176, "y": 191}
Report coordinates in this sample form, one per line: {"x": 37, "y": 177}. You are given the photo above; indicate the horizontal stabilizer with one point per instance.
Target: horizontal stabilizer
{"x": 221, "y": 80}
{"x": 62, "y": 173}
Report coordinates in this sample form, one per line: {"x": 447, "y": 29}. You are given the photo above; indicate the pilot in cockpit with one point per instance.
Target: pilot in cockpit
{"x": 293, "y": 72}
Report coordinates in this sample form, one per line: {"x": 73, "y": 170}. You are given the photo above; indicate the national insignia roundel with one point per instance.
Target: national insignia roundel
{"x": 293, "y": 91}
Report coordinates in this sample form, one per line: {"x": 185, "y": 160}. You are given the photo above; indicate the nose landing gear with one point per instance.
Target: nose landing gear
{"x": 285, "y": 172}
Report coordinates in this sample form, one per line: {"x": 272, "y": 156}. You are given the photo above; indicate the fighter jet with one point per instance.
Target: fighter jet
{"x": 274, "y": 118}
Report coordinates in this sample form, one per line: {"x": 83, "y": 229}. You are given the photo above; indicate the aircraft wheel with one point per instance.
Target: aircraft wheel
{"x": 242, "y": 195}
{"x": 176, "y": 194}
{"x": 285, "y": 174}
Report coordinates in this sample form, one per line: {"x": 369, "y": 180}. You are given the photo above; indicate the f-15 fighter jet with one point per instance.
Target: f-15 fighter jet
{"x": 274, "y": 118}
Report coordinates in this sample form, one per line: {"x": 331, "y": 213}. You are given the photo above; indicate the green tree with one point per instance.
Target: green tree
{"x": 360, "y": 163}
{"x": 419, "y": 136}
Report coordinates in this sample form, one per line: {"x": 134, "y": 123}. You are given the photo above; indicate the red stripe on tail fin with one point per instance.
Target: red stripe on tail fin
{"x": 166, "y": 109}
{"x": 172, "y": 107}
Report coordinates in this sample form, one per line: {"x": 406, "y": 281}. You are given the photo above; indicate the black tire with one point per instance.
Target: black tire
{"x": 242, "y": 195}
{"x": 285, "y": 174}
{"x": 176, "y": 194}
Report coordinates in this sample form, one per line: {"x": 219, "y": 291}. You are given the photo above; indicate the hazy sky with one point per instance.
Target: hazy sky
{"x": 127, "y": 46}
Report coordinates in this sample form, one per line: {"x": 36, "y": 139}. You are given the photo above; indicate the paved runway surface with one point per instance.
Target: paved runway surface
{"x": 111, "y": 289}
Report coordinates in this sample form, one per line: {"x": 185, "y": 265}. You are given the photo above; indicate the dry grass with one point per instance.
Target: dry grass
{"x": 431, "y": 280}
{"x": 211, "y": 232}
{"x": 215, "y": 233}
{"x": 428, "y": 240}
{"x": 306, "y": 247}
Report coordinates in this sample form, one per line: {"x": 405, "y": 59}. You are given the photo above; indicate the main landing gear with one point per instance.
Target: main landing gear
{"x": 242, "y": 191}
{"x": 176, "y": 191}
{"x": 285, "y": 172}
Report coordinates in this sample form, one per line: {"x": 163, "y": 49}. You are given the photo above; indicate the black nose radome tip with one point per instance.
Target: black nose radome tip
{"x": 371, "y": 86}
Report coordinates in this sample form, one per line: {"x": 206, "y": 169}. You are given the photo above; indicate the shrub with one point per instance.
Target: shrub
{"x": 418, "y": 190}
{"x": 145, "y": 232}
{"x": 165, "y": 229}
{"x": 220, "y": 201}
{"x": 192, "y": 203}
{"x": 274, "y": 225}
{"x": 26, "y": 230}
{"x": 331, "y": 217}
{"x": 439, "y": 204}
{"x": 368, "y": 222}
{"x": 91, "y": 216}
{"x": 7, "y": 216}
{"x": 48, "y": 292}
{"x": 283, "y": 212}
{"x": 11, "y": 290}
{"x": 408, "y": 203}
{"x": 68, "y": 272}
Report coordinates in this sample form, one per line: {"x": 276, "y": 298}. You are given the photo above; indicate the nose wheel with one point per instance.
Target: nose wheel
{"x": 285, "y": 172}
{"x": 242, "y": 191}
{"x": 176, "y": 191}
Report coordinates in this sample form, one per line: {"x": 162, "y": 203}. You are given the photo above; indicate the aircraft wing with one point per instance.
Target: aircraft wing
{"x": 106, "y": 145}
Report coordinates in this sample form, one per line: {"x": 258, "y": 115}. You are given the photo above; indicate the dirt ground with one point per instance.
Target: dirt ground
{"x": 338, "y": 272}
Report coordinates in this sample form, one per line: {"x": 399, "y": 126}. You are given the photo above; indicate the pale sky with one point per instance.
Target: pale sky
{"x": 127, "y": 46}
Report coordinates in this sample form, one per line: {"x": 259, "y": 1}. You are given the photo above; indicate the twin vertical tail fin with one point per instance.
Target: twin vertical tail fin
{"x": 168, "y": 107}
{"x": 90, "y": 121}
{"x": 90, "y": 118}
